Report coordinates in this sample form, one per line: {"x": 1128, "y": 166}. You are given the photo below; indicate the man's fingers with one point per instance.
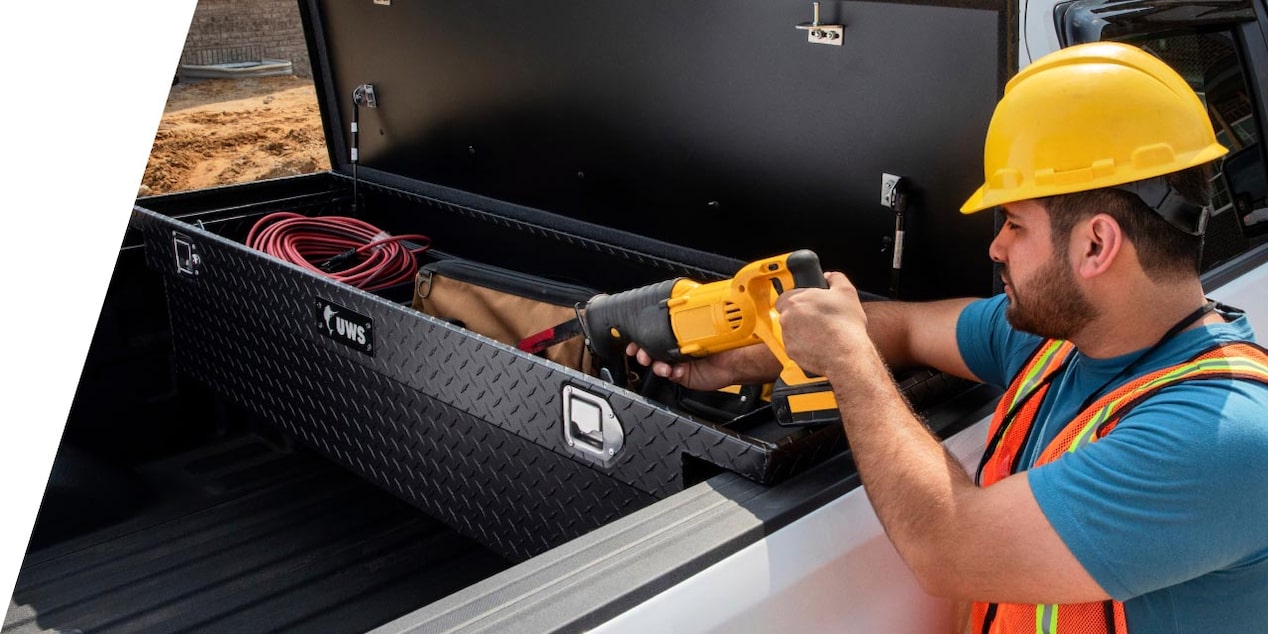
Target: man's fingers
{"x": 632, "y": 350}
{"x": 659, "y": 368}
{"x": 644, "y": 358}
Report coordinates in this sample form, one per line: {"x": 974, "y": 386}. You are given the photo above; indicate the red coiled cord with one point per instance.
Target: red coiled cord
{"x": 344, "y": 249}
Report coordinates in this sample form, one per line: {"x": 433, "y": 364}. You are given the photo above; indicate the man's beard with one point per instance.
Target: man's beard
{"x": 1052, "y": 305}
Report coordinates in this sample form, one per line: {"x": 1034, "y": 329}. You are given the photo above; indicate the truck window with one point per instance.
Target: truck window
{"x": 1206, "y": 44}
{"x": 1213, "y": 66}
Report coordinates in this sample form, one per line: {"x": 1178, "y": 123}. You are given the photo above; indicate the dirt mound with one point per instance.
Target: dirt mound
{"x": 223, "y": 131}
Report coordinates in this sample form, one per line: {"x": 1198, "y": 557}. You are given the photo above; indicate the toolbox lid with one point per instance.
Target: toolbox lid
{"x": 721, "y": 126}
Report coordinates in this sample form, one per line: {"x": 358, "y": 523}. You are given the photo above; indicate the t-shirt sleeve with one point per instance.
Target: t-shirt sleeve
{"x": 991, "y": 349}
{"x": 1168, "y": 494}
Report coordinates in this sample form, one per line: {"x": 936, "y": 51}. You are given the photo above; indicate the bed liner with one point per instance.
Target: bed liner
{"x": 248, "y": 537}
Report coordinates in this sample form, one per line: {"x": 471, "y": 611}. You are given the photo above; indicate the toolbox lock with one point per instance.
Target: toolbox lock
{"x": 591, "y": 428}
{"x": 187, "y": 260}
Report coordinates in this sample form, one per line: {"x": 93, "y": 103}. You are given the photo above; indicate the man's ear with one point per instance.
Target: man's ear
{"x": 1096, "y": 243}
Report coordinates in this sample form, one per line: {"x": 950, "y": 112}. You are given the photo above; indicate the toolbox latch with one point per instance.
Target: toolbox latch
{"x": 187, "y": 260}
{"x": 591, "y": 427}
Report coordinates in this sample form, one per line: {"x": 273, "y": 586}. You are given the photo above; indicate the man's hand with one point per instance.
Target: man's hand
{"x": 742, "y": 366}
{"x": 823, "y": 327}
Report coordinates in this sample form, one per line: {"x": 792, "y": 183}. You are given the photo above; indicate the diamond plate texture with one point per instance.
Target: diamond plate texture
{"x": 465, "y": 428}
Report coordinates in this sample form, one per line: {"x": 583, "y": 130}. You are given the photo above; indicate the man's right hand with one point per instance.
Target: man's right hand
{"x": 749, "y": 365}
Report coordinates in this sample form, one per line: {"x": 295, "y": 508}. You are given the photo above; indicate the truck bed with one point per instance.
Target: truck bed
{"x": 246, "y": 536}
{"x": 169, "y": 509}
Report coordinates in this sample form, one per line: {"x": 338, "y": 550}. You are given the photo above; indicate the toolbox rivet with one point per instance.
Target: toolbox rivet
{"x": 571, "y": 443}
{"x": 611, "y": 452}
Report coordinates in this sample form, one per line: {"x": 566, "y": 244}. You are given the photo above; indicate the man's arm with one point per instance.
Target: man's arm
{"x": 918, "y": 334}
{"x": 962, "y": 541}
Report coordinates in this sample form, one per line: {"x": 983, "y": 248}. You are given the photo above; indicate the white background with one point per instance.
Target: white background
{"x": 82, "y": 92}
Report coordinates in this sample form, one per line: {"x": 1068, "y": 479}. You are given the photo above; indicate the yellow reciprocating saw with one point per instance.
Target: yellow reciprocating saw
{"x": 680, "y": 319}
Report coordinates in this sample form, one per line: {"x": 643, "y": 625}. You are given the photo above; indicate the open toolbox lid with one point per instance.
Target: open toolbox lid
{"x": 718, "y": 126}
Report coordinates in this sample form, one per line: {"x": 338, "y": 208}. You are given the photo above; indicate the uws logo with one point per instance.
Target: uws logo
{"x": 336, "y": 324}
{"x": 344, "y": 326}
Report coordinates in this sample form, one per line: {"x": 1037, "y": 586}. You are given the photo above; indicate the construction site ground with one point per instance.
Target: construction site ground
{"x": 224, "y": 131}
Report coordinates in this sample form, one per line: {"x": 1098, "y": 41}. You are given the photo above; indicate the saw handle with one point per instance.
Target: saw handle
{"x": 805, "y": 269}
{"x": 800, "y": 398}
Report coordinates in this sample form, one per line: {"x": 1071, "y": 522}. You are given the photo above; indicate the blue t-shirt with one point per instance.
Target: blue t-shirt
{"x": 1169, "y": 512}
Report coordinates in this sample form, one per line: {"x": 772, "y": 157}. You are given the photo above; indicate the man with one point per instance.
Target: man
{"x": 1125, "y": 483}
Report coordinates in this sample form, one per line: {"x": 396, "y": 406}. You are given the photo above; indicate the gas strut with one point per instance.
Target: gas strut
{"x": 361, "y": 95}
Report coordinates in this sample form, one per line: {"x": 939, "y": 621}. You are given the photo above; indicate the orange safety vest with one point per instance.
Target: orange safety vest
{"x": 1014, "y": 417}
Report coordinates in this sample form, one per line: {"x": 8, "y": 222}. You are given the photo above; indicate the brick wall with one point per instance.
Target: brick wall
{"x": 224, "y": 31}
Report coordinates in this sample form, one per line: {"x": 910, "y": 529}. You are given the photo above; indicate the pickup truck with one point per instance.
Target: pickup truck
{"x": 170, "y": 508}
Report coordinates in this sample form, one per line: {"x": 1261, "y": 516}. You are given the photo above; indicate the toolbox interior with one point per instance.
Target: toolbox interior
{"x": 575, "y": 252}
{"x": 455, "y": 229}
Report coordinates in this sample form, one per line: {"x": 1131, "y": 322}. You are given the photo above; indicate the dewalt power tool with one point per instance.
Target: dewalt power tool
{"x": 680, "y": 319}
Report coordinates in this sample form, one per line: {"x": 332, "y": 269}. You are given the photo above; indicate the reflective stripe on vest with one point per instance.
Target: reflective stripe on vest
{"x": 1017, "y": 409}
{"x": 1012, "y": 423}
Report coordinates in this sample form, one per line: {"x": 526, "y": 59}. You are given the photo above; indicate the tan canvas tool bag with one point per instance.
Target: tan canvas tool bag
{"x": 504, "y": 305}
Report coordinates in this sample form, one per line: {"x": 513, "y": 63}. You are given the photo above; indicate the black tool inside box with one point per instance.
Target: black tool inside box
{"x": 476, "y": 432}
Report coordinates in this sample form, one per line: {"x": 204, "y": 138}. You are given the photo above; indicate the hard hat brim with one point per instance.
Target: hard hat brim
{"x": 985, "y": 198}
{"x": 975, "y": 202}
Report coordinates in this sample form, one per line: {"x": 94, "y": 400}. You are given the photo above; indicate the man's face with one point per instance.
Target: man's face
{"x": 1044, "y": 298}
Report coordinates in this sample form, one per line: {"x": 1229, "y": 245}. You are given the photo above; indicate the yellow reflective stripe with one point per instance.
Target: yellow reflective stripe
{"x": 1046, "y": 619}
{"x": 1204, "y": 365}
{"x": 1092, "y": 423}
{"x": 1036, "y": 372}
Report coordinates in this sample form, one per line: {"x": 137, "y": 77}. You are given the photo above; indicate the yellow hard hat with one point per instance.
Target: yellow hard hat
{"x": 1091, "y": 116}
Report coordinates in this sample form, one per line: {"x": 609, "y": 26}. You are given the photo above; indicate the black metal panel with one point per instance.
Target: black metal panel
{"x": 712, "y": 124}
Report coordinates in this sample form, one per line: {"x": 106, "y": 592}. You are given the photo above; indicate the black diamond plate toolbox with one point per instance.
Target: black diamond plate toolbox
{"x": 510, "y": 449}
{"x": 599, "y": 144}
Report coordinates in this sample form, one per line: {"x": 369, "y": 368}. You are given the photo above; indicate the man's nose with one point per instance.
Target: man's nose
{"x": 996, "y": 250}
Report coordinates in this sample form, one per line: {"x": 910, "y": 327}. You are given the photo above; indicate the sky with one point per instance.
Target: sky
{"x": 84, "y": 83}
